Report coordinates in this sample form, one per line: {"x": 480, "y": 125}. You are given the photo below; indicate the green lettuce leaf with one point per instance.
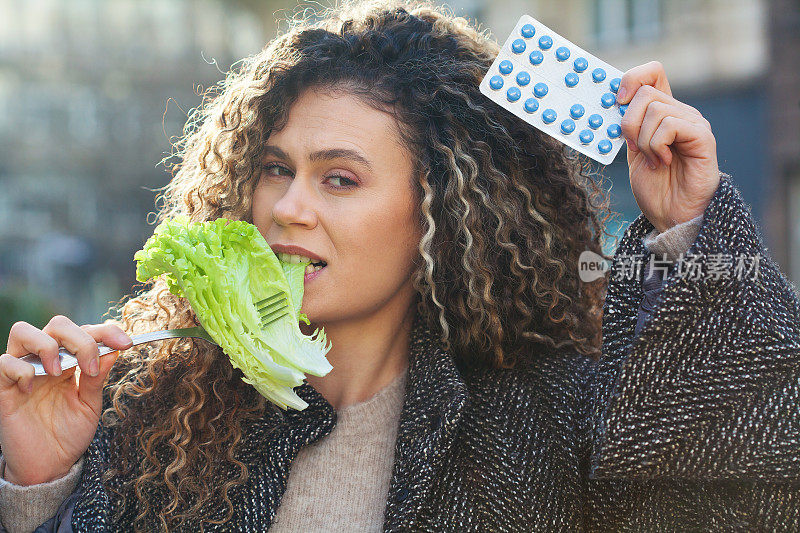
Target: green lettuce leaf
{"x": 223, "y": 268}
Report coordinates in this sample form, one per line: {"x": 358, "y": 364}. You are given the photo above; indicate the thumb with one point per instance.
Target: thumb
{"x": 90, "y": 388}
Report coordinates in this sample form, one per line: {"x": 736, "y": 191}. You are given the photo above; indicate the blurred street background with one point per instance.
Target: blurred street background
{"x": 92, "y": 92}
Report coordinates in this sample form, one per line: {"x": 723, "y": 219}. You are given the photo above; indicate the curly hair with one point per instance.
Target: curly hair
{"x": 505, "y": 210}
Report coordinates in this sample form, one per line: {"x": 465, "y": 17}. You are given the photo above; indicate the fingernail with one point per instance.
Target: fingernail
{"x": 631, "y": 145}
{"x": 621, "y": 95}
{"x": 124, "y": 340}
{"x": 651, "y": 163}
{"x": 94, "y": 367}
{"x": 57, "y": 367}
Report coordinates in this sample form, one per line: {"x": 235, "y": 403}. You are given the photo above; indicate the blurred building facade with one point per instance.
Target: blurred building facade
{"x": 91, "y": 91}
{"x": 783, "y": 84}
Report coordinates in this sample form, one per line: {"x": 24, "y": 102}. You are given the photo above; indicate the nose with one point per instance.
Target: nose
{"x": 294, "y": 207}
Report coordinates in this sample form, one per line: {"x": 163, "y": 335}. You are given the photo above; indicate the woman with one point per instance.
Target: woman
{"x": 467, "y": 392}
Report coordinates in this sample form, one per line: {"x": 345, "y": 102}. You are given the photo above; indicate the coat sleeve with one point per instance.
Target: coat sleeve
{"x": 92, "y": 508}
{"x": 88, "y": 507}
{"x": 46, "y": 505}
{"x": 709, "y": 388}
{"x": 662, "y": 250}
{"x": 62, "y": 521}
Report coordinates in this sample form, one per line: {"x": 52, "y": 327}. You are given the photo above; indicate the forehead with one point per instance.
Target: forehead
{"x": 321, "y": 118}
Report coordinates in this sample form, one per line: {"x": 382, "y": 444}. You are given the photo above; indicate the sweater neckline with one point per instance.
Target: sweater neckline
{"x": 387, "y": 401}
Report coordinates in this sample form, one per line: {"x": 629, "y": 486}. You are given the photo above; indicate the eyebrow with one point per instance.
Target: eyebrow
{"x": 330, "y": 153}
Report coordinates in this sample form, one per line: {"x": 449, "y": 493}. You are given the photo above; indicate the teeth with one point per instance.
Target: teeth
{"x": 311, "y": 268}
{"x": 289, "y": 258}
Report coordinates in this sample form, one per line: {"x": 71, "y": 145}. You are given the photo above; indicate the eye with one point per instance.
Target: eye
{"x": 271, "y": 166}
{"x": 343, "y": 183}
{"x": 347, "y": 181}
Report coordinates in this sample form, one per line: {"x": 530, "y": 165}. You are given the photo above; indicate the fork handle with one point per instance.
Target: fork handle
{"x": 68, "y": 359}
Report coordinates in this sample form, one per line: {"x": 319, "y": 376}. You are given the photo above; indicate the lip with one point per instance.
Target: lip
{"x": 309, "y": 277}
{"x": 294, "y": 250}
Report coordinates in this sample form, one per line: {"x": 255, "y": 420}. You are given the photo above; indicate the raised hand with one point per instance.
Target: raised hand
{"x": 672, "y": 153}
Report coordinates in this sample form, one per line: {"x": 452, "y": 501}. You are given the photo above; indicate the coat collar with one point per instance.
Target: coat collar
{"x": 435, "y": 398}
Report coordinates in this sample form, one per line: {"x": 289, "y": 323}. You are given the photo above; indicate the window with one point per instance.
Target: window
{"x": 794, "y": 228}
{"x": 618, "y": 22}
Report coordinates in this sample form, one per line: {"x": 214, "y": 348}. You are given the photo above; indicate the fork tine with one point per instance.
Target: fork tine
{"x": 272, "y": 308}
{"x": 277, "y": 304}
{"x": 275, "y": 297}
{"x": 273, "y": 317}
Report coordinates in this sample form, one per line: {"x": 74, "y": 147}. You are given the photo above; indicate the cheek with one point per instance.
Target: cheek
{"x": 261, "y": 209}
{"x": 386, "y": 244}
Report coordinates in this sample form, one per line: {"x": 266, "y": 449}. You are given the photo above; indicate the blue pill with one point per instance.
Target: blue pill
{"x": 571, "y": 79}
{"x": 523, "y": 78}
{"x": 595, "y": 121}
{"x": 604, "y": 146}
{"x": 580, "y": 64}
{"x": 545, "y": 42}
{"x": 536, "y": 57}
{"x": 614, "y": 85}
{"x": 549, "y": 116}
{"x": 496, "y": 82}
{"x": 518, "y": 46}
{"x": 576, "y": 111}
{"x": 614, "y": 131}
{"x": 513, "y": 94}
{"x": 562, "y": 53}
{"x": 567, "y": 126}
{"x": 540, "y": 89}
{"x": 622, "y": 109}
{"x": 505, "y": 67}
{"x": 528, "y": 31}
{"x": 586, "y": 136}
{"x": 531, "y": 105}
{"x": 598, "y": 75}
{"x": 607, "y": 100}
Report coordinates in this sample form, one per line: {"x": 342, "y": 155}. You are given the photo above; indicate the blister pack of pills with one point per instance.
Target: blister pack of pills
{"x": 558, "y": 87}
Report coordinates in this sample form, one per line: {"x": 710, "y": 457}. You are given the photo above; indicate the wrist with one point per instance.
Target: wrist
{"x": 9, "y": 475}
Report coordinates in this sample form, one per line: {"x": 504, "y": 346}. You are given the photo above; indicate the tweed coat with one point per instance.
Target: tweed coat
{"x": 690, "y": 422}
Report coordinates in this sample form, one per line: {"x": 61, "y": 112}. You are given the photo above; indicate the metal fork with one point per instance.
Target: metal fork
{"x": 269, "y": 310}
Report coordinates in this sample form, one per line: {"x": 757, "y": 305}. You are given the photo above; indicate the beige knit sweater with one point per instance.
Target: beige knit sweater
{"x": 339, "y": 483}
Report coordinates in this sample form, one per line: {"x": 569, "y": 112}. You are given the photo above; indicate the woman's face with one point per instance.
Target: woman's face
{"x": 337, "y": 182}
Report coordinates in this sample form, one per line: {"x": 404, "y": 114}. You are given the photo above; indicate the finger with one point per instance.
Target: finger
{"x": 676, "y": 131}
{"x": 109, "y": 334}
{"x": 634, "y": 116}
{"x": 14, "y": 371}
{"x": 74, "y": 339}
{"x": 651, "y": 73}
{"x": 25, "y": 338}
{"x": 656, "y": 112}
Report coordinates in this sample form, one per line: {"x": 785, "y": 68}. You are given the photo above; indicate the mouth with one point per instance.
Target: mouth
{"x": 313, "y": 266}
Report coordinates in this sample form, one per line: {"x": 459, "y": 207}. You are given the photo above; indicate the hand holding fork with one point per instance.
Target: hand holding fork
{"x": 46, "y": 424}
